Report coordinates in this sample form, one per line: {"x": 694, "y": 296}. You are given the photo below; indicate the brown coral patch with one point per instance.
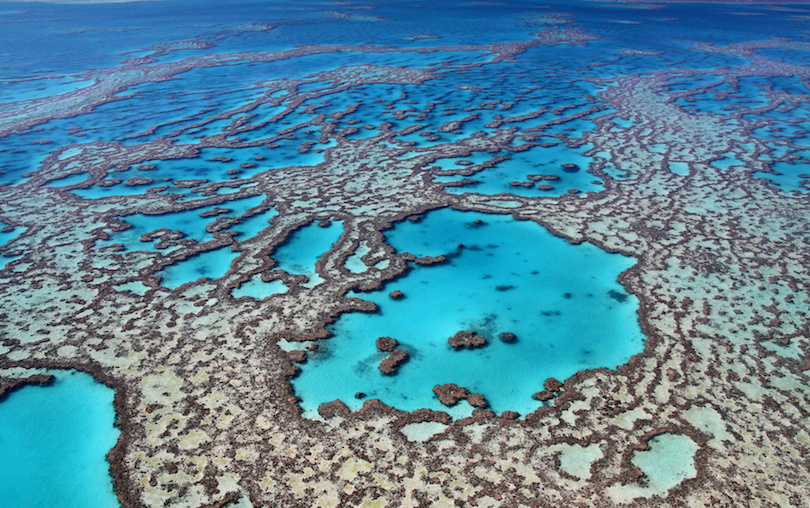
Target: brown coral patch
{"x": 466, "y": 340}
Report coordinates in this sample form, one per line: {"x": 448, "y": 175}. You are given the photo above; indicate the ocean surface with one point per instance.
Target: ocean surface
{"x": 563, "y": 301}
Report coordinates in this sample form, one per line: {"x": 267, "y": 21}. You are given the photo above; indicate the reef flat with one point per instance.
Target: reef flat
{"x": 193, "y": 210}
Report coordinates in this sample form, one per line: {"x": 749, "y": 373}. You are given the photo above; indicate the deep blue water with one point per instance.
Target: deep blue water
{"x": 37, "y": 34}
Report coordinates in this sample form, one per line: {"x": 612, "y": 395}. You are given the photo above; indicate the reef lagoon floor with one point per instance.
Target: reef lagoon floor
{"x": 386, "y": 254}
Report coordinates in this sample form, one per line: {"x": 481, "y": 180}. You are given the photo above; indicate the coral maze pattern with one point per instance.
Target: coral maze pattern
{"x": 205, "y": 405}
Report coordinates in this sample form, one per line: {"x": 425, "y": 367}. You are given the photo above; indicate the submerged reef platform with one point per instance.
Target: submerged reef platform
{"x": 261, "y": 232}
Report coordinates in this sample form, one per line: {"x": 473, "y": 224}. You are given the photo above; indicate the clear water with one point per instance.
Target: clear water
{"x": 537, "y": 160}
{"x": 53, "y": 40}
{"x": 511, "y": 277}
{"x": 257, "y": 289}
{"x": 191, "y": 223}
{"x": 669, "y": 461}
{"x": 6, "y": 238}
{"x": 53, "y": 444}
{"x": 304, "y": 248}
{"x": 790, "y": 176}
{"x": 211, "y": 264}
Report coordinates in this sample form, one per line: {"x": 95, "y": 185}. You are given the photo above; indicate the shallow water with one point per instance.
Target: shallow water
{"x": 511, "y": 277}
{"x": 790, "y": 176}
{"x": 576, "y": 460}
{"x": 304, "y": 248}
{"x": 669, "y": 461}
{"x": 257, "y": 289}
{"x": 6, "y": 237}
{"x": 422, "y": 431}
{"x": 679, "y": 168}
{"x": 211, "y": 264}
{"x": 53, "y": 444}
{"x": 546, "y": 161}
{"x": 191, "y": 223}
{"x": 728, "y": 161}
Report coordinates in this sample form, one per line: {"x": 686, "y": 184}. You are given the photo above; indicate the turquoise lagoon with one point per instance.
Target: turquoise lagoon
{"x": 210, "y": 264}
{"x": 536, "y": 160}
{"x": 191, "y": 223}
{"x": 791, "y": 176}
{"x": 563, "y": 302}
{"x": 305, "y": 247}
{"x": 297, "y": 256}
{"x": 53, "y": 444}
{"x": 6, "y": 237}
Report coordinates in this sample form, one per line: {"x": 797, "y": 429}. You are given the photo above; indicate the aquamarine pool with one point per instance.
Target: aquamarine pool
{"x": 53, "y": 444}
{"x": 563, "y": 302}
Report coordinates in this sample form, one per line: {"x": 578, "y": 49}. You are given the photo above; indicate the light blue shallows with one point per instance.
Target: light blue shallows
{"x": 563, "y": 302}
{"x": 211, "y": 264}
{"x": 6, "y": 238}
{"x": 304, "y": 248}
{"x": 53, "y": 444}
